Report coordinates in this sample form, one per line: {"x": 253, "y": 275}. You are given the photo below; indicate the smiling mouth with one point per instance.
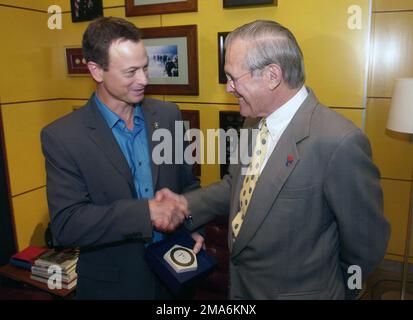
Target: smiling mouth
{"x": 138, "y": 91}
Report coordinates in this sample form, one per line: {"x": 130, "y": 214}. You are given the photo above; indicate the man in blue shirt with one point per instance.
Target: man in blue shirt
{"x": 100, "y": 176}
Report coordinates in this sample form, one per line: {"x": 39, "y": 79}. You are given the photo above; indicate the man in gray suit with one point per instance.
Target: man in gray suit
{"x": 309, "y": 205}
{"x": 100, "y": 175}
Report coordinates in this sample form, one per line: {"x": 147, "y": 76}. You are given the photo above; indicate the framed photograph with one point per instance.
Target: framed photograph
{"x": 173, "y": 60}
{"x": 239, "y": 3}
{"x": 75, "y": 62}
{"x": 148, "y": 7}
{"x": 222, "y": 78}
{"x": 191, "y": 121}
{"x": 86, "y": 10}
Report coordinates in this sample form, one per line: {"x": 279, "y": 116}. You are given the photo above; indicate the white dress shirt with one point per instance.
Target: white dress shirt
{"x": 278, "y": 121}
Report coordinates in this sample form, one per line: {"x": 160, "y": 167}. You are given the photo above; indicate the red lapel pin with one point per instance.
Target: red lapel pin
{"x": 290, "y": 160}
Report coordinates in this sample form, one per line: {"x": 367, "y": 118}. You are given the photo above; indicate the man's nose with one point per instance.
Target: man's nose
{"x": 142, "y": 77}
{"x": 229, "y": 87}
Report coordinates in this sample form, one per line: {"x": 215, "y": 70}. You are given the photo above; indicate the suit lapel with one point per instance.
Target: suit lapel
{"x": 152, "y": 122}
{"x": 274, "y": 175}
{"x": 102, "y": 136}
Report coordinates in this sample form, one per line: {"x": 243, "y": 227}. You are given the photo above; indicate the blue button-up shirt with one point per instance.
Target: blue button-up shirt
{"x": 134, "y": 146}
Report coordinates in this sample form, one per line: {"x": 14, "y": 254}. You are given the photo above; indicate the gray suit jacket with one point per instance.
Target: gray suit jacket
{"x": 91, "y": 197}
{"x": 308, "y": 220}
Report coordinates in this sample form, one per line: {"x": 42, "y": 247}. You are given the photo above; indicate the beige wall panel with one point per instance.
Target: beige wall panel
{"x": 355, "y": 115}
{"x": 26, "y": 56}
{"x": 396, "y": 207}
{"x": 22, "y": 125}
{"x": 31, "y": 217}
{"x": 387, "y": 5}
{"x": 392, "y": 152}
{"x": 392, "y": 51}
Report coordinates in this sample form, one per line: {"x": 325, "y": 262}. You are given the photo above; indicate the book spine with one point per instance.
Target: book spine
{"x": 45, "y": 269}
{"x": 65, "y": 285}
{"x": 48, "y": 264}
{"x": 20, "y": 264}
{"x": 65, "y": 278}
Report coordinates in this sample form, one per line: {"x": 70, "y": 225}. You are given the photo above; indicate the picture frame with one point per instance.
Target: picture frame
{"x": 75, "y": 62}
{"x": 173, "y": 60}
{"x": 86, "y": 10}
{"x": 240, "y": 3}
{"x": 229, "y": 120}
{"x": 222, "y": 78}
{"x": 149, "y": 7}
{"x": 191, "y": 121}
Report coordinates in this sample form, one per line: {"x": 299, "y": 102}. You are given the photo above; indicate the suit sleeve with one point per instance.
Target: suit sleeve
{"x": 353, "y": 193}
{"x": 75, "y": 219}
{"x": 207, "y": 203}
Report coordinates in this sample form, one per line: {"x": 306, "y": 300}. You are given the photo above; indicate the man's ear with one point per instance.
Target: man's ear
{"x": 96, "y": 71}
{"x": 274, "y": 76}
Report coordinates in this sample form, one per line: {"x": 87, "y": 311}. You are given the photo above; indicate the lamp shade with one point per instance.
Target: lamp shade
{"x": 401, "y": 109}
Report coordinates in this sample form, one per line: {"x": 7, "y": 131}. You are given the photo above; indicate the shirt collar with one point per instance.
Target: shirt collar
{"x": 112, "y": 118}
{"x": 286, "y": 112}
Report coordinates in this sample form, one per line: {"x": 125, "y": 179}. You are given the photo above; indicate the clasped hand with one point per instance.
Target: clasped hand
{"x": 168, "y": 210}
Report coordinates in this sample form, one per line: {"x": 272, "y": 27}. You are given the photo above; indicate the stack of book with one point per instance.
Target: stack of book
{"x": 61, "y": 263}
{"x": 25, "y": 259}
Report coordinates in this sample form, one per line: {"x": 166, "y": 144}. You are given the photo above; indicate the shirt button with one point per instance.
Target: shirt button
{"x": 146, "y": 189}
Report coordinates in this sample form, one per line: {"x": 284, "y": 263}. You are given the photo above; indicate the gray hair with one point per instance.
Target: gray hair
{"x": 269, "y": 42}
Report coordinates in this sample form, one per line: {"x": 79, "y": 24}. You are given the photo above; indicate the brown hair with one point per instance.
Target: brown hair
{"x": 101, "y": 33}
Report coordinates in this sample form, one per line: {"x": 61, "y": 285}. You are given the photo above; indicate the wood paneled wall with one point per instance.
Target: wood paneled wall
{"x": 391, "y": 57}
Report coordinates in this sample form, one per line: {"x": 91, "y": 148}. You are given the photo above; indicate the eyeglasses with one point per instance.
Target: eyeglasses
{"x": 231, "y": 81}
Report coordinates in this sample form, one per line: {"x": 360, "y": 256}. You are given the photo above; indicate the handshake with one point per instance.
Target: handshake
{"x": 168, "y": 210}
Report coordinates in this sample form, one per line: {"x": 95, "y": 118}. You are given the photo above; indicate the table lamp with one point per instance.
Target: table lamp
{"x": 400, "y": 119}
